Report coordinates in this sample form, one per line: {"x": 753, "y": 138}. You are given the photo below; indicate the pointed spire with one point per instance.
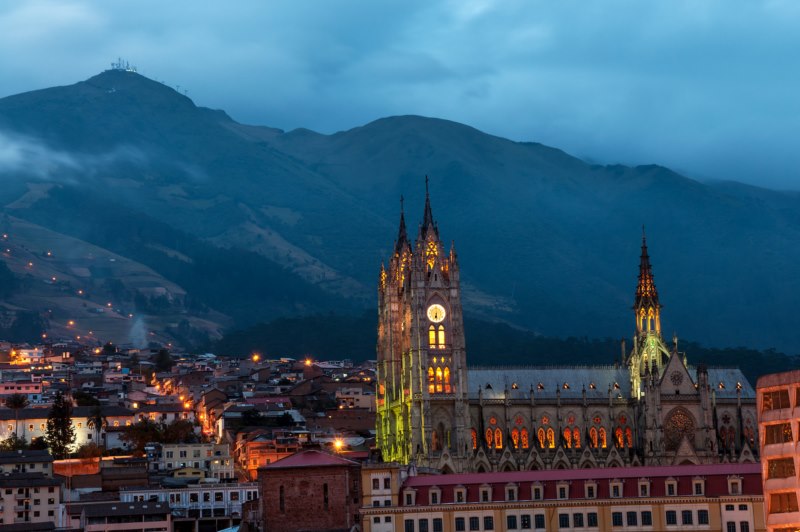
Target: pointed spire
{"x": 427, "y": 218}
{"x": 402, "y": 237}
{"x": 646, "y": 288}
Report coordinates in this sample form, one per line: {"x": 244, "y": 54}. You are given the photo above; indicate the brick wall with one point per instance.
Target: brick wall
{"x": 304, "y": 505}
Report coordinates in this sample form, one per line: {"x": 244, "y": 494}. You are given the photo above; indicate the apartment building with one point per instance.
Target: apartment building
{"x": 714, "y": 497}
{"x": 26, "y": 461}
{"x": 29, "y": 498}
{"x": 126, "y": 517}
{"x": 215, "y": 459}
{"x": 778, "y": 397}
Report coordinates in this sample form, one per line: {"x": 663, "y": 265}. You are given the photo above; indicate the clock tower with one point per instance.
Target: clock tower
{"x": 422, "y": 405}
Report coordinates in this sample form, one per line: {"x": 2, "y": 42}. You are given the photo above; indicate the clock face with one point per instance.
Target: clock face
{"x": 436, "y": 313}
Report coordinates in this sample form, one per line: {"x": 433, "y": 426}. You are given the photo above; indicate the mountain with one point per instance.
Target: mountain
{"x": 546, "y": 241}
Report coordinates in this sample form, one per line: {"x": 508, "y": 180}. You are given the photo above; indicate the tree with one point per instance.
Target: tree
{"x": 16, "y": 402}
{"x": 60, "y": 434}
{"x": 163, "y": 360}
{"x": 13, "y": 443}
{"x": 179, "y": 431}
{"x": 85, "y": 399}
{"x": 138, "y": 435}
{"x": 96, "y": 421}
{"x": 89, "y": 450}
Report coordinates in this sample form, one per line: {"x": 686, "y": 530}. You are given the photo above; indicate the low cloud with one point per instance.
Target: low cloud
{"x": 27, "y": 157}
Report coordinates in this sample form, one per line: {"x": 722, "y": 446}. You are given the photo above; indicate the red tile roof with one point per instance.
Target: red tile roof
{"x": 585, "y": 474}
{"x": 311, "y": 459}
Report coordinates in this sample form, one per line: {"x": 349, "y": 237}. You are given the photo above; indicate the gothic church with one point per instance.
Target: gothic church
{"x": 435, "y": 411}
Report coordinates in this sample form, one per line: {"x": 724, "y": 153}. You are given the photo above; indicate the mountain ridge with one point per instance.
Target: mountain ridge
{"x": 547, "y": 241}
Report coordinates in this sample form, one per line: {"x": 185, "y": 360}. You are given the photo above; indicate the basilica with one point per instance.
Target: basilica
{"x": 435, "y": 411}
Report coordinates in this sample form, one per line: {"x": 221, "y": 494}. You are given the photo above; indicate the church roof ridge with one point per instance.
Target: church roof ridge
{"x": 546, "y": 366}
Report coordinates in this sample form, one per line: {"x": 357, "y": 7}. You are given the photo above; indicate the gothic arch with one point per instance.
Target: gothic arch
{"x": 534, "y": 462}
{"x": 560, "y": 461}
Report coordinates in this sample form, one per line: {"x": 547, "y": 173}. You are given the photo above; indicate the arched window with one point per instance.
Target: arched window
{"x": 576, "y": 438}
{"x": 447, "y": 388}
{"x": 441, "y": 337}
{"x": 524, "y": 437}
{"x": 593, "y": 438}
{"x": 618, "y": 439}
{"x": 435, "y": 444}
{"x": 551, "y": 438}
{"x": 568, "y": 438}
{"x": 515, "y": 438}
{"x": 489, "y": 438}
{"x": 629, "y": 437}
{"x": 542, "y": 438}
{"x": 602, "y": 434}
{"x": 439, "y": 380}
{"x": 498, "y": 439}
{"x": 430, "y": 380}
{"x": 474, "y": 439}
{"x": 431, "y": 337}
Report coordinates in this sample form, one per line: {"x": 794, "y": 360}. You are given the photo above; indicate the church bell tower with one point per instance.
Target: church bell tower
{"x": 422, "y": 406}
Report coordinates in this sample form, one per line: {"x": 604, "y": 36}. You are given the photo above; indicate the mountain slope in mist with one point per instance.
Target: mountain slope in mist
{"x": 545, "y": 240}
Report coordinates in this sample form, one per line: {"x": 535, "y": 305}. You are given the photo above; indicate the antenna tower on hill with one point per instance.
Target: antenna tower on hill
{"x": 119, "y": 64}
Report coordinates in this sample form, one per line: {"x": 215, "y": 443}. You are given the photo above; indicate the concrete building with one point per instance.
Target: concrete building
{"x": 714, "y": 497}
{"x": 310, "y": 490}
{"x": 204, "y": 506}
{"x": 27, "y": 461}
{"x": 128, "y": 516}
{"x": 214, "y": 459}
{"x": 29, "y": 498}
{"x": 779, "y": 414}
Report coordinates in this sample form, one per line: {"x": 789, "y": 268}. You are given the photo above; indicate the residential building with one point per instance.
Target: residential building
{"x": 126, "y": 516}
{"x": 27, "y": 461}
{"x": 712, "y": 497}
{"x": 29, "y": 498}
{"x": 199, "y": 506}
{"x": 213, "y": 458}
{"x": 778, "y": 426}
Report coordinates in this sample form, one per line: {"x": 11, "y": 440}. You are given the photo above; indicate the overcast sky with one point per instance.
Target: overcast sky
{"x": 711, "y": 89}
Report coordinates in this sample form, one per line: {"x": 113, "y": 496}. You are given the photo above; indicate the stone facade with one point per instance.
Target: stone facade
{"x": 434, "y": 411}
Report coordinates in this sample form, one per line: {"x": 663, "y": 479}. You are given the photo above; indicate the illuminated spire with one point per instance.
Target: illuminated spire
{"x": 647, "y": 286}
{"x": 646, "y": 304}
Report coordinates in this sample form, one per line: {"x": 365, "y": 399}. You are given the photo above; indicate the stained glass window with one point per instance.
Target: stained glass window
{"x": 678, "y": 425}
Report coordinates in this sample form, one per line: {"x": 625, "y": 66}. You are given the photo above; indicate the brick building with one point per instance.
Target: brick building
{"x": 310, "y": 490}
{"x": 779, "y": 414}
